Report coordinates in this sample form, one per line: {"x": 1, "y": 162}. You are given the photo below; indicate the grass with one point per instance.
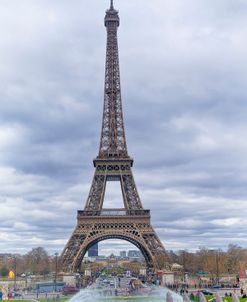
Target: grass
{"x": 227, "y": 298}
{"x": 136, "y": 298}
{"x": 15, "y": 300}
{"x": 61, "y": 299}
{"x": 117, "y": 270}
{"x": 130, "y": 298}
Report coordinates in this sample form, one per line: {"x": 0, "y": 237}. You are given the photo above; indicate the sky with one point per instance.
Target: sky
{"x": 183, "y": 77}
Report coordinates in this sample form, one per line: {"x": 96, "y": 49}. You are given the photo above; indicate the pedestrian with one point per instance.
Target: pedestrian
{"x": 192, "y": 297}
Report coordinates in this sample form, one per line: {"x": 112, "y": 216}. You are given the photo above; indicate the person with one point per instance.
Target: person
{"x": 1, "y": 295}
{"x": 192, "y": 297}
{"x": 226, "y": 294}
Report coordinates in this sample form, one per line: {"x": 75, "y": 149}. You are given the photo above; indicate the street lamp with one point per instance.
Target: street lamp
{"x": 24, "y": 275}
{"x": 15, "y": 273}
{"x": 217, "y": 267}
{"x": 56, "y": 254}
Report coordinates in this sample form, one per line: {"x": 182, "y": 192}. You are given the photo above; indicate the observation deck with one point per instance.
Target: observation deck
{"x": 115, "y": 213}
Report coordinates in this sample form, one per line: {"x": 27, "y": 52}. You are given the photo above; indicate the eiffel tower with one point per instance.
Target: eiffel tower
{"x": 132, "y": 223}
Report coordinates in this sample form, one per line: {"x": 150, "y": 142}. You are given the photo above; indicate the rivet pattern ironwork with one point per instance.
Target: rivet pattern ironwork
{"x": 113, "y": 163}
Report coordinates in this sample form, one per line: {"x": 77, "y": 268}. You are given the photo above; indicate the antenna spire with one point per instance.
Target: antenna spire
{"x": 112, "y": 4}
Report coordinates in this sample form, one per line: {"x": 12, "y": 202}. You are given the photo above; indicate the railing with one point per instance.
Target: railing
{"x": 114, "y": 212}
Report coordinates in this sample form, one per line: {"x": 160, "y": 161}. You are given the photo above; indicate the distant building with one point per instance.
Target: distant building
{"x": 134, "y": 254}
{"x": 123, "y": 254}
{"x": 94, "y": 251}
{"x": 95, "y": 259}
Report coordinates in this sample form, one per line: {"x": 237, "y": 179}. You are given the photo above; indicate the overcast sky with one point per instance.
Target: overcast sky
{"x": 183, "y": 75}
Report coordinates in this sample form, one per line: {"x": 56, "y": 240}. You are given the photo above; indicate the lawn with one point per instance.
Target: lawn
{"x": 227, "y": 298}
{"x": 130, "y": 298}
{"x": 61, "y": 299}
{"x": 19, "y": 300}
{"x": 133, "y": 298}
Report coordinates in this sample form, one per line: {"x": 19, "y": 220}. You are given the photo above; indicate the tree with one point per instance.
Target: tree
{"x": 38, "y": 261}
{"x": 162, "y": 261}
{"x": 213, "y": 262}
{"x": 4, "y": 271}
{"x": 235, "y": 255}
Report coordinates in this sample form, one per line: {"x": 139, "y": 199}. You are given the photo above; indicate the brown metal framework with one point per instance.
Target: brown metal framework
{"x": 113, "y": 163}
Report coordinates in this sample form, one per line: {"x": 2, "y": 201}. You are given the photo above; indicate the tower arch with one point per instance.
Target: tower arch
{"x": 131, "y": 239}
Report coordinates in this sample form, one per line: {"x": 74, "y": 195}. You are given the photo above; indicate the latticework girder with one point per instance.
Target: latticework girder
{"x": 113, "y": 163}
{"x": 112, "y": 142}
{"x": 92, "y": 229}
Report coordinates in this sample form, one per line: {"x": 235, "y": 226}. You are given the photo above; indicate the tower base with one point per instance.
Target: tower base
{"x": 94, "y": 226}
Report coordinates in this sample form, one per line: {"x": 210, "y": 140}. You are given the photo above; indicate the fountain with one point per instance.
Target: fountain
{"x": 202, "y": 298}
{"x": 156, "y": 294}
{"x": 218, "y": 298}
{"x": 235, "y": 298}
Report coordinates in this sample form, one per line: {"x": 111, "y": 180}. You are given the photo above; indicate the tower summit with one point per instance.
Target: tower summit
{"x": 94, "y": 223}
{"x": 111, "y": 5}
{"x": 112, "y": 142}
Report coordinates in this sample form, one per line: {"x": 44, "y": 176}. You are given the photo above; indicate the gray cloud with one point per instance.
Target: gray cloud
{"x": 183, "y": 70}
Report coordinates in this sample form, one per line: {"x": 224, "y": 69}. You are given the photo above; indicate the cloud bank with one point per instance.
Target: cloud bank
{"x": 183, "y": 74}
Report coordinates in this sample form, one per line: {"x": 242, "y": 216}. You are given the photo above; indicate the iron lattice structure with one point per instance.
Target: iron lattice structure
{"x": 132, "y": 223}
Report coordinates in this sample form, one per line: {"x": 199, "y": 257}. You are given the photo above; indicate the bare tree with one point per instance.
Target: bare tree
{"x": 38, "y": 261}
